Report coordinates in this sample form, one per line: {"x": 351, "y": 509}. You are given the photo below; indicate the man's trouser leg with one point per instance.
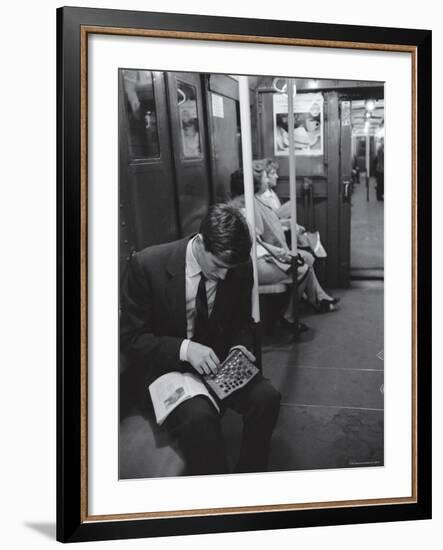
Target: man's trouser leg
{"x": 195, "y": 424}
{"x": 259, "y": 403}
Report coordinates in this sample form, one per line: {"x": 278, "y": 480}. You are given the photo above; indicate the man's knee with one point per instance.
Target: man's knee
{"x": 267, "y": 397}
{"x": 196, "y": 415}
{"x": 195, "y": 426}
{"x": 272, "y": 398}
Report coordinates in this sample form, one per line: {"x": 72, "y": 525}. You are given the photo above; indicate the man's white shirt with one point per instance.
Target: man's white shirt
{"x": 193, "y": 275}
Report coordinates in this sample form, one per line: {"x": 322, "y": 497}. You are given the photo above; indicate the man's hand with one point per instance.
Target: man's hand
{"x": 248, "y": 354}
{"x": 203, "y": 359}
{"x": 286, "y": 222}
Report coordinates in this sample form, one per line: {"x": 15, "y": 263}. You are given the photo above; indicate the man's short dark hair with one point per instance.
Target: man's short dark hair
{"x": 225, "y": 233}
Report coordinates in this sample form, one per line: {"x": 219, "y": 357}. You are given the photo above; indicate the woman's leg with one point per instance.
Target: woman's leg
{"x": 308, "y": 258}
{"x": 303, "y": 274}
{"x": 269, "y": 273}
{"x": 314, "y": 290}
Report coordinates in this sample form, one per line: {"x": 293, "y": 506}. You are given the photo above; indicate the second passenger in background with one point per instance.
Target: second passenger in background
{"x": 283, "y": 211}
{"x": 273, "y": 254}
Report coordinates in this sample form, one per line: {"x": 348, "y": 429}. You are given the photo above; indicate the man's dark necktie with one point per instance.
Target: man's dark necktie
{"x": 201, "y": 312}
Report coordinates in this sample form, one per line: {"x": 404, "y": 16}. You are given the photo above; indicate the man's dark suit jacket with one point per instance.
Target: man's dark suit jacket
{"x": 153, "y": 310}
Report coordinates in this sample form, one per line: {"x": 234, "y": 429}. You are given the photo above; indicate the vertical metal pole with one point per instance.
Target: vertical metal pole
{"x": 367, "y": 156}
{"x": 245, "y": 125}
{"x": 367, "y": 167}
{"x": 293, "y": 199}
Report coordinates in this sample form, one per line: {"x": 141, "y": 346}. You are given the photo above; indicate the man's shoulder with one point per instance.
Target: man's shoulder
{"x": 157, "y": 250}
{"x": 159, "y": 254}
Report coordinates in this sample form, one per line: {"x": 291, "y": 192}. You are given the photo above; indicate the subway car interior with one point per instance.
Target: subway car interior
{"x": 182, "y": 139}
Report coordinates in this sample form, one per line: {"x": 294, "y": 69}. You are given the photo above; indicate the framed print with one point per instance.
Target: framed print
{"x": 243, "y": 274}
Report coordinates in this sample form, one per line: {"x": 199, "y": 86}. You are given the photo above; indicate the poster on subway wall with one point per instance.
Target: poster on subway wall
{"x": 308, "y": 124}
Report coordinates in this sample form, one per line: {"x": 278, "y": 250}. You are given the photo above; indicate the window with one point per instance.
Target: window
{"x": 188, "y": 120}
{"x": 138, "y": 89}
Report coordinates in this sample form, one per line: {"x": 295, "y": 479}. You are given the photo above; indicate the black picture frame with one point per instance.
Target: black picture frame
{"x": 73, "y": 523}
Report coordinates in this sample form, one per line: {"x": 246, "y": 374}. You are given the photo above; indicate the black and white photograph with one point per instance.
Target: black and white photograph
{"x": 239, "y": 333}
{"x": 218, "y": 315}
{"x": 251, "y": 273}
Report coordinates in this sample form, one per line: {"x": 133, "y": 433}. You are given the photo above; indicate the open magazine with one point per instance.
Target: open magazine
{"x": 171, "y": 389}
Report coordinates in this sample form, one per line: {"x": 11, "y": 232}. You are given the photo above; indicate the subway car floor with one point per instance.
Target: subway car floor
{"x": 332, "y": 397}
{"x": 332, "y": 379}
{"x": 367, "y": 229}
{"x": 331, "y": 383}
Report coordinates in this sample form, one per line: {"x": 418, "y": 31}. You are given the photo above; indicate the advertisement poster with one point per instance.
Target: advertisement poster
{"x": 308, "y": 124}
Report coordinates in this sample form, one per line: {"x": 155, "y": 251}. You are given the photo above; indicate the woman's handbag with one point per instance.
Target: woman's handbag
{"x": 282, "y": 262}
{"x": 311, "y": 242}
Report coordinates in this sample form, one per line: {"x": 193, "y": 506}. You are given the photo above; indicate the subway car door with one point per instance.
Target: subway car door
{"x": 345, "y": 191}
{"x": 147, "y": 197}
{"x": 323, "y": 192}
{"x": 315, "y": 195}
{"x": 188, "y": 137}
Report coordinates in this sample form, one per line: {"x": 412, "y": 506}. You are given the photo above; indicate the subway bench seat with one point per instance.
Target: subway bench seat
{"x": 145, "y": 450}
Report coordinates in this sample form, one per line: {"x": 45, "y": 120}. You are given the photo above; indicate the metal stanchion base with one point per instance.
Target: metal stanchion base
{"x": 294, "y": 297}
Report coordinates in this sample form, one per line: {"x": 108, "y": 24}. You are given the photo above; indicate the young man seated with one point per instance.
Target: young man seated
{"x": 185, "y": 305}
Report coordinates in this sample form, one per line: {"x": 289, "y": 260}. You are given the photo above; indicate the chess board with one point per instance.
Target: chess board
{"x": 234, "y": 373}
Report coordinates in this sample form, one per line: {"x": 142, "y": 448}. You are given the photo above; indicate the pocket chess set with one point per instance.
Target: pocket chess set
{"x": 234, "y": 373}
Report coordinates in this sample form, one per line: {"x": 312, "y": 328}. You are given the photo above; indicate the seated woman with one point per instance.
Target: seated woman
{"x": 273, "y": 255}
{"x": 283, "y": 212}
{"x": 269, "y": 196}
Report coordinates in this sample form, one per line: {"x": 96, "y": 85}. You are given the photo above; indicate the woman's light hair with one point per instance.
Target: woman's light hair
{"x": 270, "y": 164}
{"x": 258, "y": 167}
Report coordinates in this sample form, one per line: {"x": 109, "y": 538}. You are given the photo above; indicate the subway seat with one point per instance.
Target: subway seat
{"x": 275, "y": 288}
{"x": 145, "y": 448}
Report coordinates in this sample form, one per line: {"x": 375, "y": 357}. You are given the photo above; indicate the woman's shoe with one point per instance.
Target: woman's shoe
{"x": 302, "y": 327}
{"x": 326, "y": 306}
